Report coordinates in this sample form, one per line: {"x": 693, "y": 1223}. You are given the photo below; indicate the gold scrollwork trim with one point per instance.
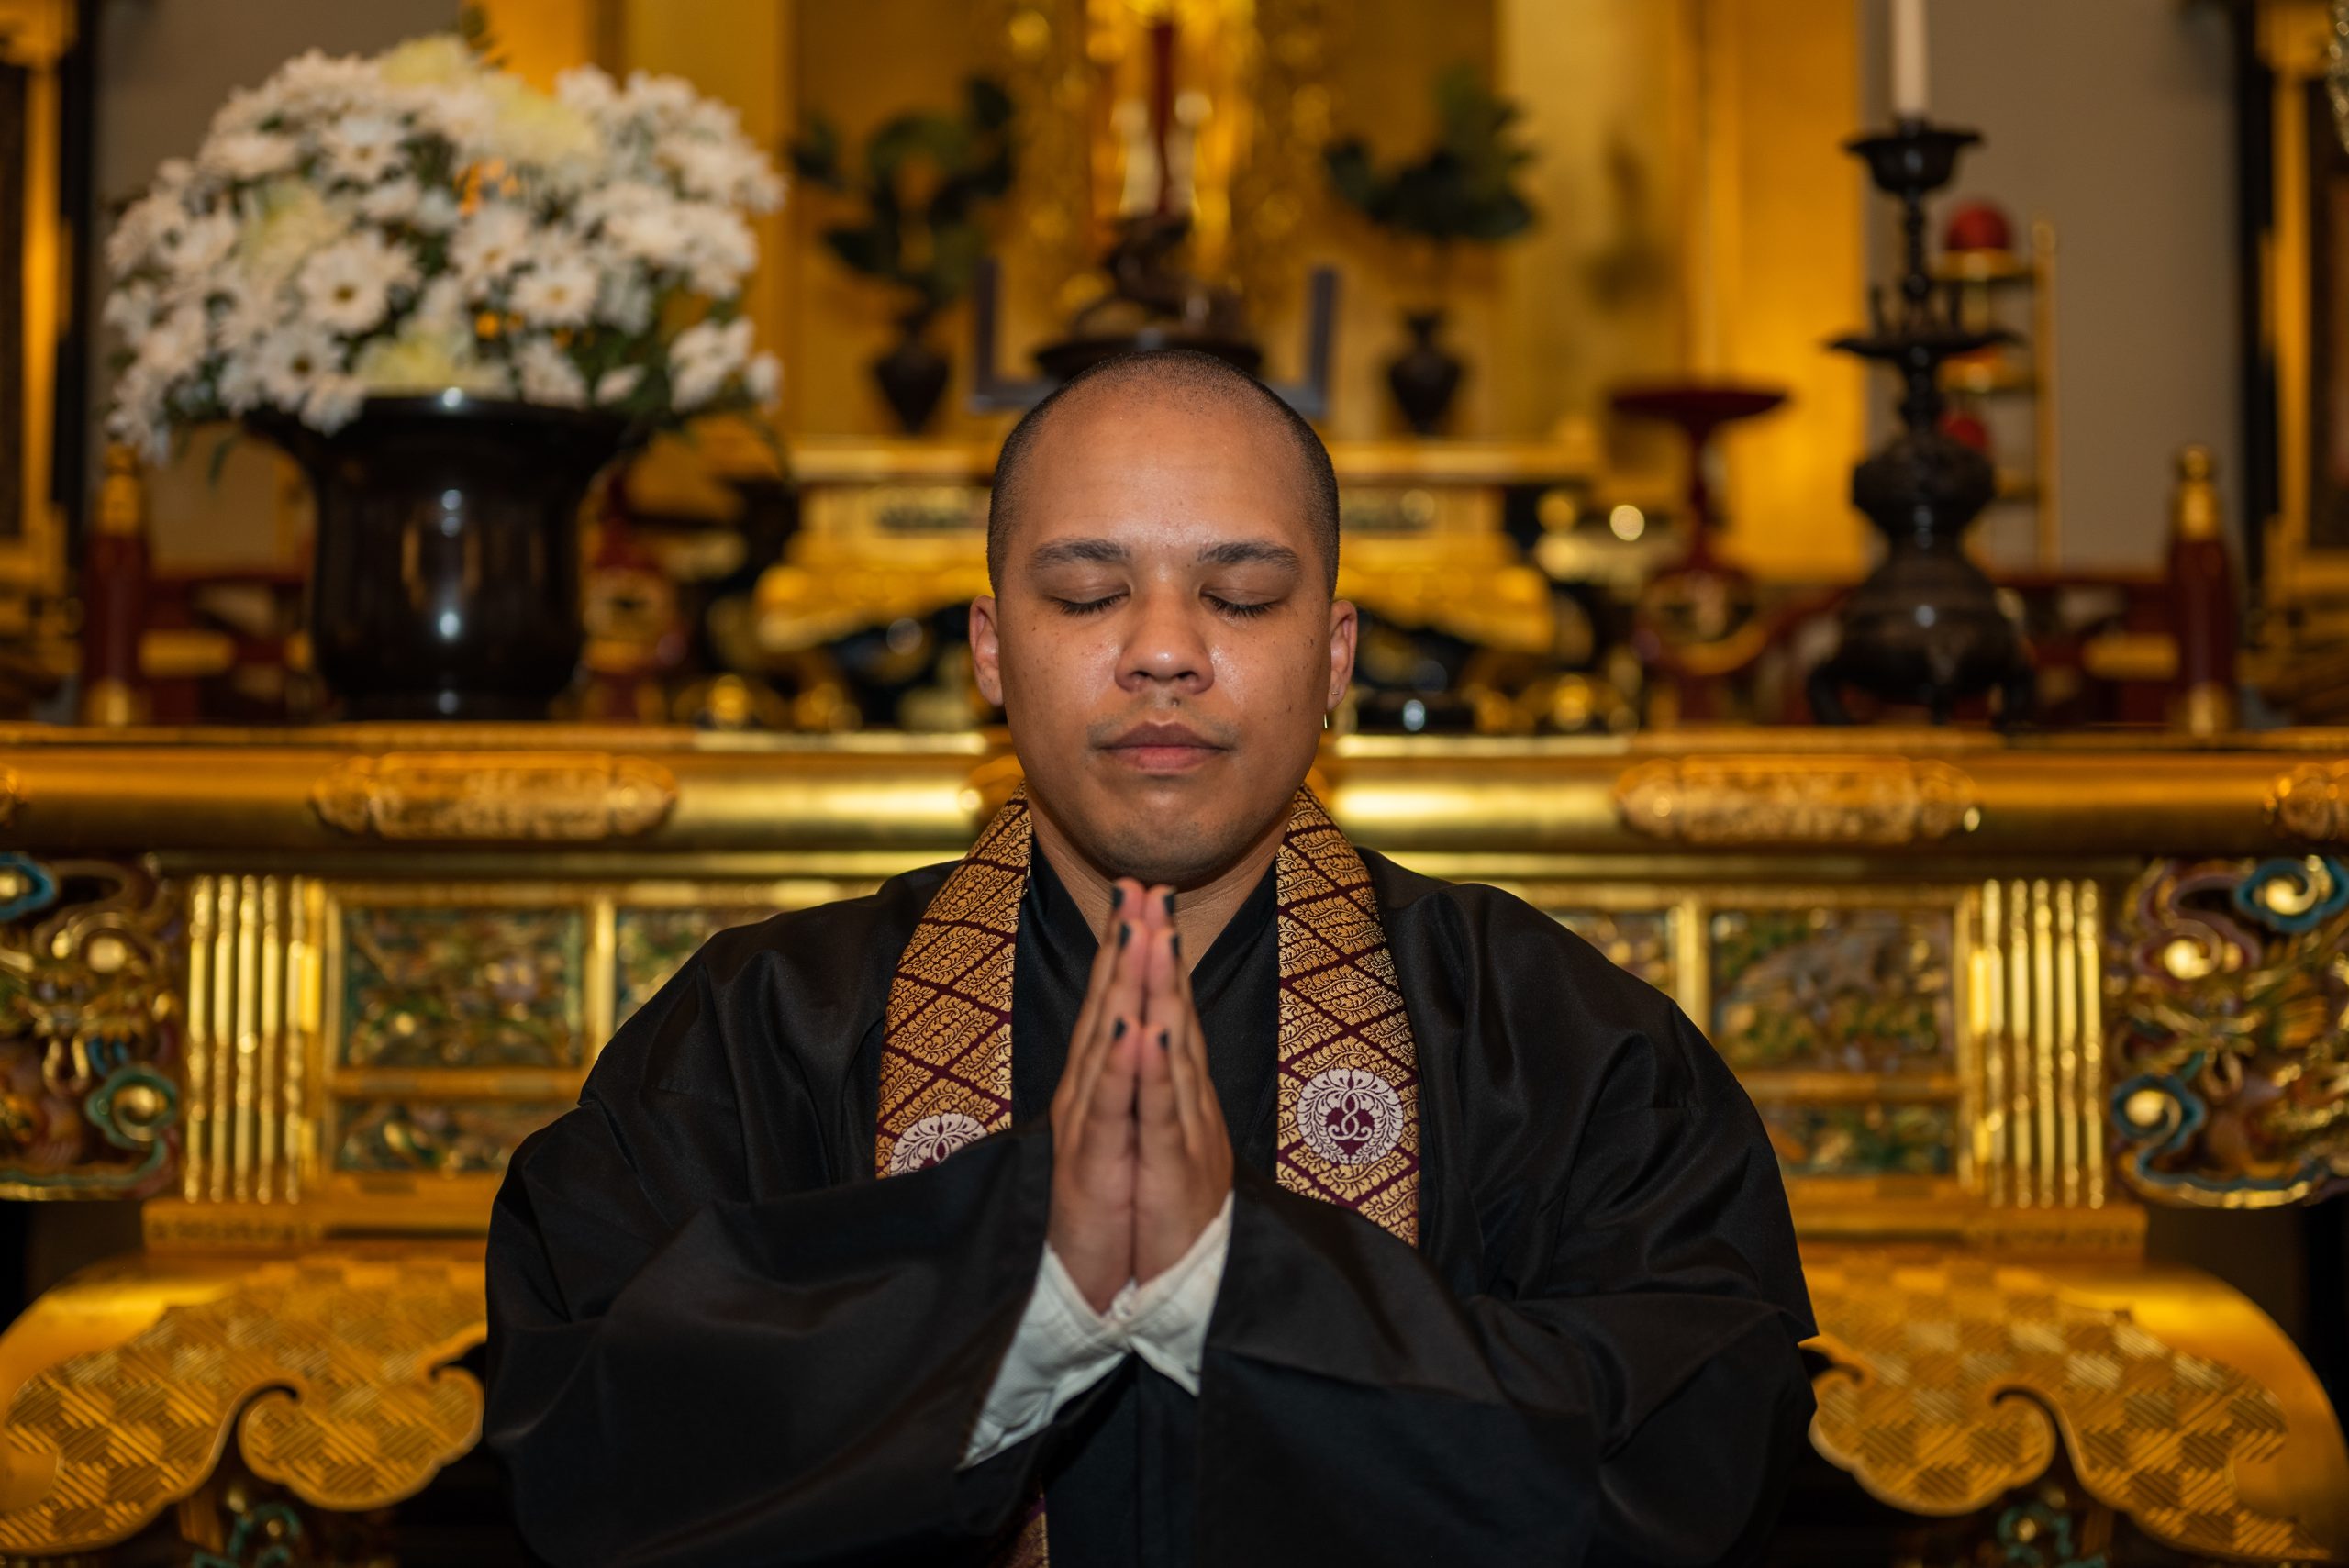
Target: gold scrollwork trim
{"x": 470, "y": 795}
{"x": 1798, "y": 800}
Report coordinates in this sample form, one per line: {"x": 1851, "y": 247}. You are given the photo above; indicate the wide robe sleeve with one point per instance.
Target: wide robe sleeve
{"x": 712, "y": 1339}
{"x": 1592, "y": 1358}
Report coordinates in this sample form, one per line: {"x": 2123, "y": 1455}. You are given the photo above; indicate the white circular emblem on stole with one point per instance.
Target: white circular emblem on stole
{"x": 932, "y": 1138}
{"x": 1350, "y": 1117}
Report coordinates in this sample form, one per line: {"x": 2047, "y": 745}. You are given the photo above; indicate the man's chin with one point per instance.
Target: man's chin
{"x": 1183, "y": 836}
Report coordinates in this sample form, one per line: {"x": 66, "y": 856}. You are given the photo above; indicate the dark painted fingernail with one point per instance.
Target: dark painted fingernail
{"x": 1117, "y": 898}
{"x": 1117, "y": 1030}
{"x": 1162, "y": 1040}
{"x": 1124, "y": 932}
{"x": 1170, "y": 904}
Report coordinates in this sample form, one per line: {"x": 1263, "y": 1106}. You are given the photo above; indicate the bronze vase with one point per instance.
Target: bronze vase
{"x": 444, "y": 582}
{"x": 1424, "y": 376}
{"x": 912, "y": 374}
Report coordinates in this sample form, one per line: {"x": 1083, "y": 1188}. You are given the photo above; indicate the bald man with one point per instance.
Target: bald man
{"x": 1169, "y": 1181}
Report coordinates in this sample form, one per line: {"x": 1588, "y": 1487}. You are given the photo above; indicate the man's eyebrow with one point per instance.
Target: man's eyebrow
{"x": 1062, "y": 551}
{"x": 1244, "y": 552}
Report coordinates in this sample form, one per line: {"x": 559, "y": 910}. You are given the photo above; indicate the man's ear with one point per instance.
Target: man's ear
{"x": 986, "y": 649}
{"x": 1345, "y": 623}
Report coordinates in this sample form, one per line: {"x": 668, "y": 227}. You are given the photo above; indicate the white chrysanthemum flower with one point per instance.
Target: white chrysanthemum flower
{"x": 615, "y": 385}
{"x": 462, "y": 114}
{"x": 363, "y": 147}
{"x": 662, "y": 100}
{"x": 239, "y": 387}
{"x": 441, "y": 306}
{"x": 349, "y": 286}
{"x": 286, "y": 220}
{"x": 198, "y": 246}
{"x": 137, "y": 417}
{"x": 246, "y": 110}
{"x": 704, "y": 358}
{"x": 249, "y": 310}
{"x": 624, "y": 299}
{"x": 247, "y": 154}
{"x": 145, "y": 225}
{"x": 489, "y": 244}
{"x": 174, "y": 345}
{"x": 714, "y": 170}
{"x": 437, "y": 212}
{"x": 557, "y": 292}
{"x": 130, "y": 309}
{"x": 291, "y": 360}
{"x": 548, "y": 375}
{"x": 720, "y": 250}
{"x": 588, "y": 89}
{"x": 530, "y": 129}
{"x": 394, "y": 201}
{"x": 327, "y": 82}
{"x": 333, "y": 401}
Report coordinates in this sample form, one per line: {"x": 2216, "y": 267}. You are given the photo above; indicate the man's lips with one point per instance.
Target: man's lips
{"x": 1163, "y": 748}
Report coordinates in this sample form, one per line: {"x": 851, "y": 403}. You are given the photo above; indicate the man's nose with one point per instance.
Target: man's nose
{"x": 1166, "y": 645}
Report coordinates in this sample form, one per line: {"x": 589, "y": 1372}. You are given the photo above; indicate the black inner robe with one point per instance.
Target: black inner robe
{"x": 1125, "y": 1494}
{"x": 716, "y": 1338}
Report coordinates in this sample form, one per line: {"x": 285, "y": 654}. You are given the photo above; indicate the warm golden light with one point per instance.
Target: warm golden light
{"x": 1628, "y": 521}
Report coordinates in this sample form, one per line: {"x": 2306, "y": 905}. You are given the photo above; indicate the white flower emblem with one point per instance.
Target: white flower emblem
{"x": 932, "y": 1138}
{"x": 1350, "y": 1117}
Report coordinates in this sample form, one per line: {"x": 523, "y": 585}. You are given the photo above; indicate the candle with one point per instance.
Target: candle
{"x": 1908, "y": 60}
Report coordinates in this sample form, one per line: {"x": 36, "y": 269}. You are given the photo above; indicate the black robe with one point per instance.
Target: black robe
{"x": 716, "y": 1338}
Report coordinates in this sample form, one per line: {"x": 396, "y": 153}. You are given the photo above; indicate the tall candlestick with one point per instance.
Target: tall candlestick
{"x": 1909, "y": 59}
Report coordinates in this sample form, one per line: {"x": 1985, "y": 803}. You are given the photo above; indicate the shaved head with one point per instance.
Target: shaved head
{"x": 1182, "y": 380}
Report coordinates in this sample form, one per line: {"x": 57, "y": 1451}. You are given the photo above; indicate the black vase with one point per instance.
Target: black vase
{"x": 912, "y": 375}
{"x": 1424, "y": 377}
{"x": 445, "y": 580}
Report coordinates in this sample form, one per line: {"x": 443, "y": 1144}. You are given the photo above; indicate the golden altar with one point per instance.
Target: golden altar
{"x": 301, "y": 992}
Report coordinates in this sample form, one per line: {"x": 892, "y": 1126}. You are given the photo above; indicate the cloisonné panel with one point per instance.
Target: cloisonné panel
{"x": 1864, "y": 990}
{"x": 426, "y": 987}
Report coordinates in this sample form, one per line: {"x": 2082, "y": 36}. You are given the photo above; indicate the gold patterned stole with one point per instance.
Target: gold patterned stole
{"x": 1347, "y": 1067}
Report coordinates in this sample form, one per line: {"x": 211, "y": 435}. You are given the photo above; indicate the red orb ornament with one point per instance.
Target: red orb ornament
{"x": 1967, "y": 429}
{"x": 1977, "y": 226}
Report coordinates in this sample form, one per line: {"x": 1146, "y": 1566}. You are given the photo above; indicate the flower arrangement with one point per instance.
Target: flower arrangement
{"x": 423, "y": 220}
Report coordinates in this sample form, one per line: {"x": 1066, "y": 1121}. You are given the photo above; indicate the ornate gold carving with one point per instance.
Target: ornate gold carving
{"x": 2231, "y": 1079}
{"x": 338, "y": 1361}
{"x": 486, "y": 794}
{"x": 1796, "y": 800}
{"x": 1919, "y": 1404}
{"x": 2311, "y": 802}
{"x": 90, "y": 1026}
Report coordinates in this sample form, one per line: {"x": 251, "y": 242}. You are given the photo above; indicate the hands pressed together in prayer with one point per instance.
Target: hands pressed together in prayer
{"x": 1141, "y": 1161}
